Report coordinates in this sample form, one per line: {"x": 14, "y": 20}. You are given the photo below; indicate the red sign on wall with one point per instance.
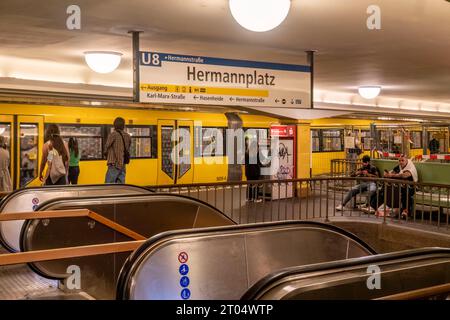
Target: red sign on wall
{"x": 282, "y": 131}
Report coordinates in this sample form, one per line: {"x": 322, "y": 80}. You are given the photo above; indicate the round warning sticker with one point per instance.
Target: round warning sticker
{"x": 35, "y": 201}
{"x": 183, "y": 257}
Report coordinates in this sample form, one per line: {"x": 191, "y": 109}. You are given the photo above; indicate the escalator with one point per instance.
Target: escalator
{"x": 418, "y": 273}
{"x": 29, "y": 199}
{"x": 144, "y": 214}
{"x": 222, "y": 263}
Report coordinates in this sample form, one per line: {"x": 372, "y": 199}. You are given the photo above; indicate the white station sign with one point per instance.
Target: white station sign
{"x": 173, "y": 78}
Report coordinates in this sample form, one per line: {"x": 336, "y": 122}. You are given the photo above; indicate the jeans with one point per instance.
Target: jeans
{"x": 393, "y": 200}
{"x": 363, "y": 186}
{"x": 74, "y": 172}
{"x": 115, "y": 175}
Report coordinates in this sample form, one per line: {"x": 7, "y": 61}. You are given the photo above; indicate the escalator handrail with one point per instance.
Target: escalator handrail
{"x": 419, "y": 293}
{"x": 270, "y": 279}
{"x": 129, "y": 265}
{"x": 78, "y": 186}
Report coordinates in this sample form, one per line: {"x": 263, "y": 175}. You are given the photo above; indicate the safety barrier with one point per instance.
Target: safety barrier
{"x": 344, "y": 167}
{"x": 320, "y": 198}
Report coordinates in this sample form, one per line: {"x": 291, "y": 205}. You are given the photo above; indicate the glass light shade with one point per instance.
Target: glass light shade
{"x": 369, "y": 92}
{"x": 259, "y": 15}
{"x": 102, "y": 61}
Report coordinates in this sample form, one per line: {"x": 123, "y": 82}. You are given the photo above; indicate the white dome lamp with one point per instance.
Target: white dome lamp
{"x": 369, "y": 92}
{"x": 102, "y": 61}
{"x": 259, "y": 15}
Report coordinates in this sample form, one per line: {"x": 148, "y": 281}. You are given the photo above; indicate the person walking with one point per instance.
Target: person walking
{"x": 117, "y": 152}
{"x": 5, "y": 176}
{"x": 74, "y": 161}
{"x": 52, "y": 130}
{"x": 57, "y": 162}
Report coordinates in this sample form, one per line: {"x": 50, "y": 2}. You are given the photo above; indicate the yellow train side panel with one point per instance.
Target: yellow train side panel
{"x": 321, "y": 161}
{"x": 210, "y": 169}
{"x": 140, "y": 172}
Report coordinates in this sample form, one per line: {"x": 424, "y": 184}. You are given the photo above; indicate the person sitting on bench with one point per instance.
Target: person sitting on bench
{"x": 367, "y": 170}
{"x": 405, "y": 170}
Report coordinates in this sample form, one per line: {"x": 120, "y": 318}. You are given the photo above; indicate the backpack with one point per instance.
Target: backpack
{"x": 58, "y": 168}
{"x": 126, "y": 153}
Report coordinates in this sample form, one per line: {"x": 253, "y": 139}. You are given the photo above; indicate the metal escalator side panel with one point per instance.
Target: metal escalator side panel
{"x": 226, "y": 261}
{"x": 147, "y": 215}
{"x": 357, "y": 278}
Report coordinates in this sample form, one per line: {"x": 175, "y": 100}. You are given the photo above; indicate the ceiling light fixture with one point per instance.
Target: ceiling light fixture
{"x": 259, "y": 15}
{"x": 369, "y": 92}
{"x": 102, "y": 61}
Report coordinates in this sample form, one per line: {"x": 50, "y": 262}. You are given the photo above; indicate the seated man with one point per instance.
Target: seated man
{"x": 404, "y": 171}
{"x": 367, "y": 170}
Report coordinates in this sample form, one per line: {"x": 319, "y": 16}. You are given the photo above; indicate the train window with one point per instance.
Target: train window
{"x": 366, "y": 140}
{"x": 315, "y": 140}
{"x": 141, "y": 141}
{"x": 28, "y": 133}
{"x": 166, "y": 150}
{"x": 332, "y": 140}
{"x": 89, "y": 139}
{"x": 416, "y": 139}
{"x": 5, "y": 131}
{"x": 206, "y": 143}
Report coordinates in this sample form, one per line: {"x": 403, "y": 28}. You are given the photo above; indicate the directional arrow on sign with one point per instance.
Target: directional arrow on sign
{"x": 231, "y": 99}
{"x": 195, "y": 97}
{"x": 276, "y": 100}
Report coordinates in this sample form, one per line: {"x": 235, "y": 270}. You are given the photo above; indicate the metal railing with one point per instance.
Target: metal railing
{"x": 321, "y": 198}
{"x": 344, "y": 167}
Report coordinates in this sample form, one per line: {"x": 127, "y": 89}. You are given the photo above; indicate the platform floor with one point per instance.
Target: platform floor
{"x": 19, "y": 282}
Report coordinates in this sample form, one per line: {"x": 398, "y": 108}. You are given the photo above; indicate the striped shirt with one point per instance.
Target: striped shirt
{"x": 114, "y": 148}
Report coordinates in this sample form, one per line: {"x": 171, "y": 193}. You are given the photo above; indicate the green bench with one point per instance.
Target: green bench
{"x": 428, "y": 172}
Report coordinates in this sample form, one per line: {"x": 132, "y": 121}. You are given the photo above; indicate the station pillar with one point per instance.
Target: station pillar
{"x": 303, "y": 155}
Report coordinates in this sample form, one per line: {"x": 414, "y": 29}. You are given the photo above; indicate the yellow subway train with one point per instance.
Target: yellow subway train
{"x": 24, "y": 125}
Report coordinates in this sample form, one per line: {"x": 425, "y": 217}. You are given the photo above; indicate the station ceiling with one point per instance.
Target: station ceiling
{"x": 409, "y": 57}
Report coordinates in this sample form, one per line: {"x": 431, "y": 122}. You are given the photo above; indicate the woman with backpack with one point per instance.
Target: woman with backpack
{"x": 51, "y": 130}
{"x": 57, "y": 162}
{"x": 74, "y": 160}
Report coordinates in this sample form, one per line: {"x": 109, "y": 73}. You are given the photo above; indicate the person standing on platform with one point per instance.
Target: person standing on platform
{"x": 252, "y": 168}
{"x": 5, "y": 176}
{"x": 74, "y": 161}
{"x": 117, "y": 152}
{"x": 434, "y": 146}
{"x": 51, "y": 130}
{"x": 57, "y": 162}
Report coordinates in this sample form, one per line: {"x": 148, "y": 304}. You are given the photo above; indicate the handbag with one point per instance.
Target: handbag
{"x": 58, "y": 168}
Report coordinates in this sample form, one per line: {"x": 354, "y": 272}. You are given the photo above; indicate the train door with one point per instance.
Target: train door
{"x": 29, "y": 133}
{"x": 6, "y": 130}
{"x": 175, "y": 152}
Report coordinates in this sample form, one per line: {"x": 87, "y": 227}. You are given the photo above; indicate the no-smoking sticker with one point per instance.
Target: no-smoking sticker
{"x": 183, "y": 257}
